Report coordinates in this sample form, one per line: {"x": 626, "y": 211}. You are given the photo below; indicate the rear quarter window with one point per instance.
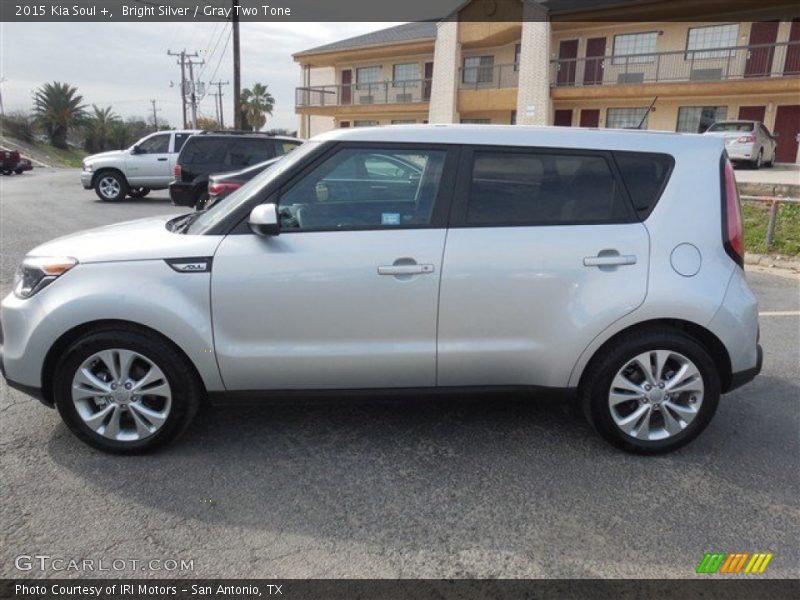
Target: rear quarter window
{"x": 283, "y": 147}
{"x": 203, "y": 151}
{"x": 645, "y": 176}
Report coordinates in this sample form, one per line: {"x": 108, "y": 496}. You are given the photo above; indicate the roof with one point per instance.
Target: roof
{"x": 407, "y": 32}
{"x": 520, "y": 135}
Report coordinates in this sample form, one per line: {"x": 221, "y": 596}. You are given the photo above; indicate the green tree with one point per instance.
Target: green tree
{"x": 256, "y": 104}
{"x": 58, "y": 107}
{"x": 99, "y": 129}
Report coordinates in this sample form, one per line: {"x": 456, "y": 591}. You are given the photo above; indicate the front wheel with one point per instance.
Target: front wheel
{"x": 651, "y": 392}
{"x": 111, "y": 186}
{"x": 18, "y": 171}
{"x": 125, "y": 392}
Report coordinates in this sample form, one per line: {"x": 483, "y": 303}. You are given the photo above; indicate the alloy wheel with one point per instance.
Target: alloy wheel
{"x": 121, "y": 395}
{"x": 656, "y": 395}
{"x": 109, "y": 187}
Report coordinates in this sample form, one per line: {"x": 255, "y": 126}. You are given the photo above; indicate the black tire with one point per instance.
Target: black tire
{"x": 103, "y": 191}
{"x": 596, "y": 386}
{"x": 18, "y": 171}
{"x": 759, "y": 161}
{"x": 139, "y": 192}
{"x": 186, "y": 387}
{"x": 201, "y": 200}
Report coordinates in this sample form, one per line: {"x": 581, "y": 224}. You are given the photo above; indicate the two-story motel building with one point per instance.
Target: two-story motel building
{"x": 582, "y": 69}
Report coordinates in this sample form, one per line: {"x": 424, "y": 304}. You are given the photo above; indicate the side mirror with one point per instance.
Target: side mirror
{"x": 135, "y": 149}
{"x": 264, "y": 220}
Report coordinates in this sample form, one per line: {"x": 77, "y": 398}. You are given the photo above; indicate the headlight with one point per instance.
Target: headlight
{"x": 37, "y": 272}
{"x": 87, "y": 166}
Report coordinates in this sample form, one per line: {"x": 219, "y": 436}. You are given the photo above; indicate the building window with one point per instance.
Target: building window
{"x": 714, "y": 37}
{"x": 478, "y": 69}
{"x": 696, "y": 119}
{"x": 517, "y": 51}
{"x": 406, "y": 72}
{"x": 634, "y": 43}
{"x": 403, "y": 121}
{"x": 476, "y": 121}
{"x": 513, "y": 117}
{"x": 627, "y": 118}
{"x": 366, "y": 76}
{"x": 365, "y": 123}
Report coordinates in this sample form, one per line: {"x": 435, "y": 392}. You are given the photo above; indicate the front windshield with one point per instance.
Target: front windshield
{"x": 731, "y": 127}
{"x": 229, "y": 204}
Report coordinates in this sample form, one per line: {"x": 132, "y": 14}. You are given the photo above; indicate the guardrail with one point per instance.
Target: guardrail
{"x": 774, "y": 206}
{"x": 382, "y": 92}
{"x": 490, "y": 76}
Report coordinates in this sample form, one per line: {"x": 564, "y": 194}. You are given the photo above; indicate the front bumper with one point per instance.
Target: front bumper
{"x": 34, "y": 392}
{"x": 86, "y": 179}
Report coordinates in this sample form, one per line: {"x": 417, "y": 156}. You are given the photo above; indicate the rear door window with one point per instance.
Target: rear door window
{"x": 204, "y": 151}
{"x": 645, "y": 176}
{"x": 180, "y": 140}
{"x": 244, "y": 152}
{"x": 544, "y": 188}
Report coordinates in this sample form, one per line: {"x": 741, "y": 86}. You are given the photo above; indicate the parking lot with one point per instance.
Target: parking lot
{"x": 480, "y": 486}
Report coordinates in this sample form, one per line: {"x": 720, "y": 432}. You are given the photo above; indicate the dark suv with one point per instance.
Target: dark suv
{"x": 217, "y": 151}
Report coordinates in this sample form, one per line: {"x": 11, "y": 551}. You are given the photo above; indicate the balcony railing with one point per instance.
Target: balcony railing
{"x": 708, "y": 64}
{"x": 495, "y": 76}
{"x": 384, "y": 92}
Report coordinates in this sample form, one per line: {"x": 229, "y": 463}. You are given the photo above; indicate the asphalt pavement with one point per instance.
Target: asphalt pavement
{"x": 479, "y": 486}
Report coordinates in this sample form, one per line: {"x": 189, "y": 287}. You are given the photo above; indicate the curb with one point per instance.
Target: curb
{"x": 776, "y": 261}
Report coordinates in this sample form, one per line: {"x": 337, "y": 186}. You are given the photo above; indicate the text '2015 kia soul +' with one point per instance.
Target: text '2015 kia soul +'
{"x": 454, "y": 257}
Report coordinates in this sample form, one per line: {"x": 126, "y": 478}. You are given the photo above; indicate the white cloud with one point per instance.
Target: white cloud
{"x": 126, "y": 64}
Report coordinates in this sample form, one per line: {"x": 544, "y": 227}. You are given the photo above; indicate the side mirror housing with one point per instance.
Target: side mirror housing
{"x": 264, "y": 220}
{"x": 135, "y": 149}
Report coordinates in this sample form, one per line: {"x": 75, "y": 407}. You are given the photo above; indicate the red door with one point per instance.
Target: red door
{"x": 590, "y": 117}
{"x": 567, "y": 53}
{"x": 426, "y": 85}
{"x": 347, "y": 86}
{"x": 792, "y": 64}
{"x": 752, "y": 113}
{"x": 344, "y": 124}
{"x": 759, "y": 60}
{"x": 595, "y": 52}
{"x": 787, "y": 126}
{"x": 563, "y": 118}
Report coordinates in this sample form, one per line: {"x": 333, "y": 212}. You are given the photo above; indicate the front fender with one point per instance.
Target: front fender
{"x": 146, "y": 292}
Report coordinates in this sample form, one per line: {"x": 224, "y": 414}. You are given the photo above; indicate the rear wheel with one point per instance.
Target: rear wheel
{"x": 18, "y": 171}
{"x": 759, "y": 161}
{"x": 651, "y": 392}
{"x": 110, "y": 186}
{"x": 125, "y": 392}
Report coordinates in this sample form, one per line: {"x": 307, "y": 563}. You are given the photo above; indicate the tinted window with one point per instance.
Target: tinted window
{"x": 158, "y": 144}
{"x": 180, "y": 140}
{"x": 284, "y": 147}
{"x": 545, "y": 189}
{"x": 365, "y": 189}
{"x": 645, "y": 176}
{"x": 243, "y": 152}
{"x": 731, "y": 126}
{"x": 203, "y": 151}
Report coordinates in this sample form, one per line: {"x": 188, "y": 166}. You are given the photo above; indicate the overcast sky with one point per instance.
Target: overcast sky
{"x": 126, "y": 64}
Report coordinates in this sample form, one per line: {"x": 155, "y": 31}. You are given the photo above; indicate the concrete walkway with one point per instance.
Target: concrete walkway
{"x": 781, "y": 174}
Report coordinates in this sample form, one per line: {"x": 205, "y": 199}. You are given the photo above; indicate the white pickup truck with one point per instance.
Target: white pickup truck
{"x": 147, "y": 165}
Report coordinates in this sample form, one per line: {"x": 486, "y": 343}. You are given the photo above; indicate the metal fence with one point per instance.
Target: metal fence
{"x": 383, "y": 92}
{"x": 708, "y": 64}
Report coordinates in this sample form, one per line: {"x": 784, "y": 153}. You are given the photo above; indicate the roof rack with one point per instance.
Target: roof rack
{"x": 234, "y": 132}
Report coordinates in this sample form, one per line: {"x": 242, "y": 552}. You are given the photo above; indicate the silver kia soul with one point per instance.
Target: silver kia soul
{"x": 607, "y": 263}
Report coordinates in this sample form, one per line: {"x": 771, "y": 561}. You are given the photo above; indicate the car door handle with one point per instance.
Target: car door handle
{"x": 405, "y": 269}
{"x": 162, "y": 159}
{"x": 611, "y": 260}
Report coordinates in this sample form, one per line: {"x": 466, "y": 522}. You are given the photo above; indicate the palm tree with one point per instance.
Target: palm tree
{"x": 99, "y": 128}
{"x": 58, "y": 107}
{"x": 256, "y": 104}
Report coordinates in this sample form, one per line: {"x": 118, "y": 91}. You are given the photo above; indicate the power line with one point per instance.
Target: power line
{"x": 216, "y": 45}
{"x": 182, "y": 62}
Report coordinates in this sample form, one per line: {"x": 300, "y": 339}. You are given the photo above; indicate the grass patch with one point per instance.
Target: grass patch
{"x": 68, "y": 158}
{"x": 787, "y": 230}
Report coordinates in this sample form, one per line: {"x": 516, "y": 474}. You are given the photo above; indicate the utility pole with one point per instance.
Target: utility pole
{"x": 193, "y": 88}
{"x": 218, "y": 95}
{"x": 155, "y": 114}
{"x": 216, "y": 106}
{"x": 182, "y": 62}
{"x": 237, "y": 75}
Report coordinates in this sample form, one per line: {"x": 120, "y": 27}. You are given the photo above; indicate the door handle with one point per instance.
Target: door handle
{"x": 162, "y": 159}
{"x": 405, "y": 269}
{"x": 611, "y": 260}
